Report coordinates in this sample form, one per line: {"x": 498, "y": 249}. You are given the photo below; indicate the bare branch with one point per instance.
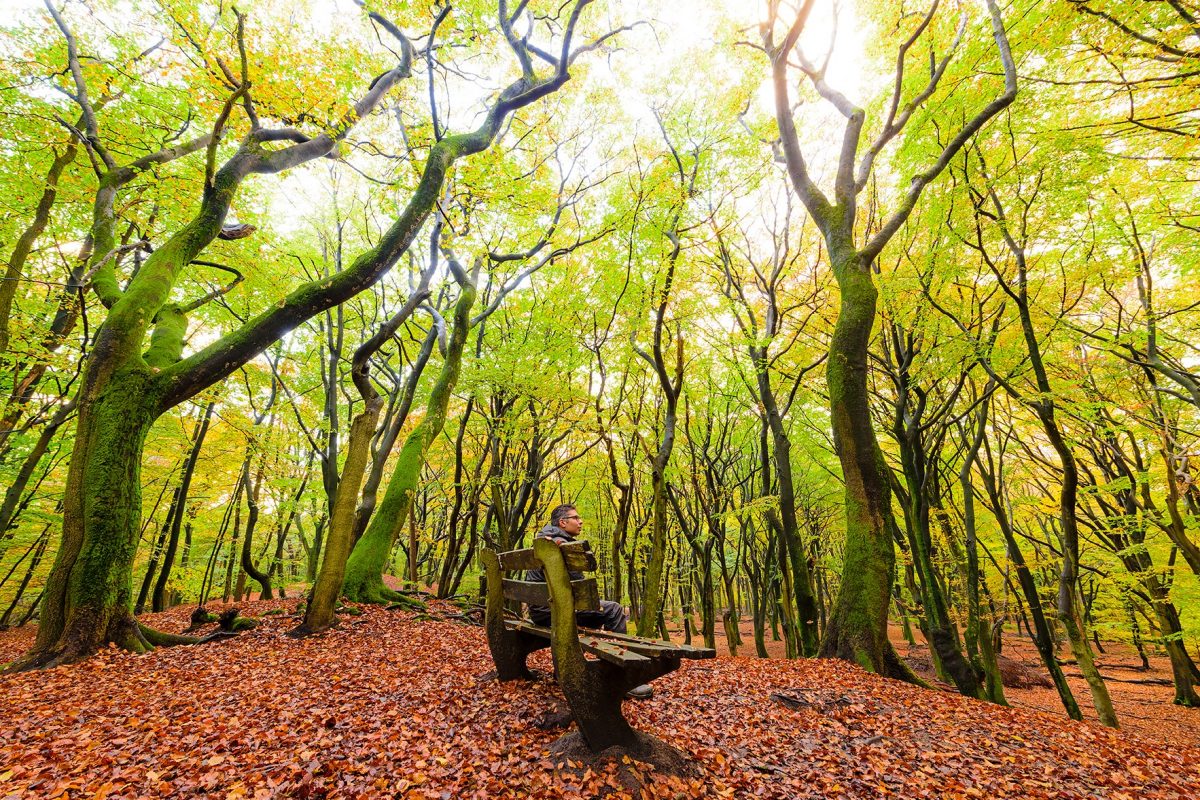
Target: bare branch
{"x": 920, "y": 181}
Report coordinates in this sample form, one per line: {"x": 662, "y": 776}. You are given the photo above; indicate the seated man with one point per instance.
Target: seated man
{"x": 565, "y": 525}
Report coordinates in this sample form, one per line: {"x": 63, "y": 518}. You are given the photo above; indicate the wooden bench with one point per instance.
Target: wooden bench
{"x": 594, "y": 668}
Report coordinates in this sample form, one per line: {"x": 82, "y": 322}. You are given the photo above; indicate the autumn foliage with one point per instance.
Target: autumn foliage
{"x": 395, "y": 705}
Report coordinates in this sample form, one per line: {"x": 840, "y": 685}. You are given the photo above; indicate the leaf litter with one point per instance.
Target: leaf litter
{"x": 391, "y": 706}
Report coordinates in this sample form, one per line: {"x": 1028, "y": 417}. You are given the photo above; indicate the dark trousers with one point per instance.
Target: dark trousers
{"x": 610, "y": 617}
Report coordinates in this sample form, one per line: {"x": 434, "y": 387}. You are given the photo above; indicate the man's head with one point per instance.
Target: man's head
{"x": 567, "y": 518}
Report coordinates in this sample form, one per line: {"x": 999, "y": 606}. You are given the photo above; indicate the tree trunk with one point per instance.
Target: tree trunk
{"x": 802, "y": 588}
{"x": 364, "y": 568}
{"x": 177, "y": 512}
{"x": 1068, "y": 589}
{"x": 978, "y": 634}
{"x": 1043, "y": 638}
{"x": 39, "y": 550}
{"x": 252, "y": 487}
{"x": 9, "y": 510}
{"x": 89, "y": 594}
{"x": 857, "y": 628}
{"x": 16, "y": 262}
{"x": 319, "y": 614}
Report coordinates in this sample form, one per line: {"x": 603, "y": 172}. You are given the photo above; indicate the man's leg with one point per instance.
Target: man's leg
{"x": 610, "y": 617}
{"x": 614, "y": 616}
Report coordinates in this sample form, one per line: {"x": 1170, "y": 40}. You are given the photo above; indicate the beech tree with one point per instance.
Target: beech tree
{"x": 784, "y": 380}
{"x": 857, "y": 628}
{"x": 129, "y": 381}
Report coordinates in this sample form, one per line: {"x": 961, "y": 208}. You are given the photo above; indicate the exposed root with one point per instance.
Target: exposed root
{"x": 44, "y": 659}
{"x": 861, "y": 650}
{"x": 896, "y": 667}
{"x": 201, "y": 617}
{"x": 232, "y": 623}
{"x": 122, "y": 630}
{"x": 375, "y": 592}
{"x": 403, "y": 602}
{"x": 157, "y": 638}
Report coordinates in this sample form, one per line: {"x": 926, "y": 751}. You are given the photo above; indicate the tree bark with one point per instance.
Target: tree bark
{"x": 364, "y": 568}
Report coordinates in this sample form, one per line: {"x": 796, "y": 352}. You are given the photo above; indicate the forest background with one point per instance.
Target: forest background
{"x": 623, "y": 290}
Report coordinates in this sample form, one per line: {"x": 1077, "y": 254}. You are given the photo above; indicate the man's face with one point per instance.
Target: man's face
{"x": 572, "y": 523}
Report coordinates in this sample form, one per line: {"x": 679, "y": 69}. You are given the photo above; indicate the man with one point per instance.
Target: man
{"x": 565, "y": 525}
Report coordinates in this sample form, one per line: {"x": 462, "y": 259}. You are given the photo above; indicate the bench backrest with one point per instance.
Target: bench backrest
{"x": 578, "y": 557}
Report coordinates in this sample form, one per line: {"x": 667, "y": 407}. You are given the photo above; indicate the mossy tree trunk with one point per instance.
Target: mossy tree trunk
{"x": 1126, "y": 469}
{"x": 920, "y": 432}
{"x": 127, "y": 385}
{"x": 364, "y": 570}
{"x": 89, "y": 592}
{"x": 327, "y": 588}
{"x": 857, "y": 628}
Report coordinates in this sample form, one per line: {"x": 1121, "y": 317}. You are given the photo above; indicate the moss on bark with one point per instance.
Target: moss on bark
{"x": 364, "y": 569}
{"x": 319, "y": 614}
{"x": 857, "y": 629}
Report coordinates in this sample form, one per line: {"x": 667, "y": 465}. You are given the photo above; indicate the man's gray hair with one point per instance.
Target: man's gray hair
{"x": 559, "y": 512}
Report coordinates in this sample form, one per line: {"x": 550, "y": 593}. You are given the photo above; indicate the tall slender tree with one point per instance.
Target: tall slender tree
{"x": 857, "y": 628}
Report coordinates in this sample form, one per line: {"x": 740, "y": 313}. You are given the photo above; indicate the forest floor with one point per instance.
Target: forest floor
{"x": 1143, "y": 699}
{"x": 394, "y": 705}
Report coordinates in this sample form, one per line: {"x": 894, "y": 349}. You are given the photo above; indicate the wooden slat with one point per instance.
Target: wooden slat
{"x": 643, "y": 648}
{"x": 663, "y": 648}
{"x": 587, "y": 595}
{"x": 578, "y": 555}
{"x": 526, "y": 626}
{"x": 610, "y": 651}
{"x": 535, "y": 594}
{"x": 647, "y": 647}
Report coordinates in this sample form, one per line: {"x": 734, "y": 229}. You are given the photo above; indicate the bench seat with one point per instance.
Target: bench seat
{"x": 595, "y": 668}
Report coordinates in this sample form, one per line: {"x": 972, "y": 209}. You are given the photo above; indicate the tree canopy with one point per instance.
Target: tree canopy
{"x": 822, "y": 315}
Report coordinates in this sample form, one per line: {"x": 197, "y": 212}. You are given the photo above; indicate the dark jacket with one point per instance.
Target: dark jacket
{"x": 541, "y": 614}
{"x": 562, "y": 537}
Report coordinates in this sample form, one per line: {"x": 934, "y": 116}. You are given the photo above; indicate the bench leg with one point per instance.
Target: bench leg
{"x": 602, "y": 725}
{"x": 510, "y": 651}
{"x": 509, "y": 648}
{"x": 595, "y": 690}
{"x": 595, "y": 703}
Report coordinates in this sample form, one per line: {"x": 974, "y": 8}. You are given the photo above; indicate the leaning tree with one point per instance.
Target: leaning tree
{"x": 138, "y": 368}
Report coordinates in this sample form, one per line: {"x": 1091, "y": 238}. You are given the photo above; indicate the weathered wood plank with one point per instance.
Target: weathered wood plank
{"x": 578, "y": 555}
{"x": 525, "y": 626}
{"x": 650, "y": 648}
{"x": 610, "y": 651}
{"x": 587, "y": 595}
{"x": 665, "y": 648}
